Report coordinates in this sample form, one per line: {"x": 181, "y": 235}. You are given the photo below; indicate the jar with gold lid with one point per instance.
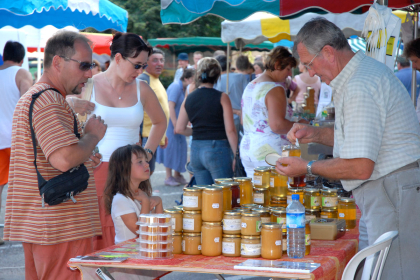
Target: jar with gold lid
{"x": 249, "y": 206}
{"x": 179, "y": 207}
{"x": 328, "y": 213}
{"x": 231, "y": 245}
{"x": 262, "y": 177}
{"x": 191, "y": 243}
{"x": 212, "y": 204}
{"x": 245, "y": 190}
{"x": 250, "y": 223}
{"x": 276, "y": 201}
{"x": 250, "y": 246}
{"x": 278, "y": 183}
{"x": 222, "y": 180}
{"x": 347, "y": 211}
{"x": 307, "y": 238}
{"x": 227, "y": 195}
{"x": 211, "y": 243}
{"x": 312, "y": 198}
{"x": 176, "y": 218}
{"x": 177, "y": 242}
{"x": 291, "y": 191}
{"x": 232, "y": 222}
{"x": 311, "y": 214}
{"x": 278, "y": 215}
{"x": 191, "y": 221}
{"x": 240, "y": 209}
{"x": 201, "y": 187}
{"x": 329, "y": 198}
{"x": 271, "y": 237}
{"x": 265, "y": 214}
{"x": 192, "y": 199}
{"x": 261, "y": 196}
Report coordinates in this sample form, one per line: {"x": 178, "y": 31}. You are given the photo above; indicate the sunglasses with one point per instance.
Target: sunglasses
{"x": 84, "y": 66}
{"x": 137, "y": 66}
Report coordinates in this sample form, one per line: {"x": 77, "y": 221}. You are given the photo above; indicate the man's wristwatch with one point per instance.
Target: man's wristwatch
{"x": 309, "y": 167}
{"x": 149, "y": 151}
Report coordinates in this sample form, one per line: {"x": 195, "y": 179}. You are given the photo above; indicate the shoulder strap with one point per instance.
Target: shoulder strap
{"x": 87, "y": 94}
{"x": 145, "y": 77}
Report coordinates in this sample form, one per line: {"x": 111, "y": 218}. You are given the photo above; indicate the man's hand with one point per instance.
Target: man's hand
{"x": 81, "y": 106}
{"x": 96, "y": 127}
{"x": 96, "y": 158}
{"x": 304, "y": 132}
{"x": 166, "y": 142}
{"x": 291, "y": 166}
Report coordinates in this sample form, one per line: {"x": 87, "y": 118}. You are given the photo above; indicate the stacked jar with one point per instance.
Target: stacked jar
{"x": 176, "y": 222}
{"x": 278, "y": 215}
{"x": 312, "y": 203}
{"x": 231, "y": 245}
{"x": 245, "y": 190}
{"x": 347, "y": 211}
{"x": 329, "y": 203}
{"x": 250, "y": 235}
{"x": 155, "y": 236}
{"x": 227, "y": 195}
{"x": 192, "y": 220}
{"x": 278, "y": 189}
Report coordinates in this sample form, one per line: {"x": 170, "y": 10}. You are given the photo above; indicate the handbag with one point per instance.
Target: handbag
{"x": 64, "y": 186}
{"x": 239, "y": 168}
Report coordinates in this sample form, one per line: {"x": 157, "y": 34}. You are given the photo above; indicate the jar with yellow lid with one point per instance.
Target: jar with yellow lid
{"x": 311, "y": 214}
{"x": 312, "y": 198}
{"x": 265, "y": 214}
{"x": 250, "y": 246}
{"x": 177, "y": 242}
{"x": 176, "y": 218}
{"x": 232, "y": 222}
{"x": 211, "y": 243}
{"x": 231, "y": 245}
{"x": 191, "y": 243}
{"x": 261, "y": 196}
{"x": 262, "y": 177}
{"x": 250, "y": 223}
{"x": 278, "y": 215}
{"x": 245, "y": 190}
{"x": 291, "y": 191}
{"x": 222, "y": 180}
{"x": 271, "y": 237}
{"x": 212, "y": 204}
{"x": 191, "y": 221}
{"x": 201, "y": 187}
{"x": 307, "y": 238}
{"x": 278, "y": 184}
{"x": 227, "y": 195}
{"x": 347, "y": 211}
{"x": 276, "y": 201}
{"x": 192, "y": 199}
{"x": 328, "y": 213}
{"x": 329, "y": 198}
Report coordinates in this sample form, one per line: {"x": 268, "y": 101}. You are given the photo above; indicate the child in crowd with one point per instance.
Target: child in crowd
{"x": 128, "y": 192}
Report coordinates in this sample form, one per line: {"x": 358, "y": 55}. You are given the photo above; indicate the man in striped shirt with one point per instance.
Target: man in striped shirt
{"x": 51, "y": 235}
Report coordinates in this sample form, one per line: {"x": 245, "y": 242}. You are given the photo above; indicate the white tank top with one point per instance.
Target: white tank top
{"x": 9, "y": 98}
{"x": 123, "y": 125}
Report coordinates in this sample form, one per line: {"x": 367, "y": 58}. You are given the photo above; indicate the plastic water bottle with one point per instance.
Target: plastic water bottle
{"x": 295, "y": 222}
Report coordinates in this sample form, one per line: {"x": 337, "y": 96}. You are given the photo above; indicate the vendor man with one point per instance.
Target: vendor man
{"x": 376, "y": 142}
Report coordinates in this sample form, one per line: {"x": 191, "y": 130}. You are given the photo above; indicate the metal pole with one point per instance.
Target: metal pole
{"x": 227, "y": 68}
{"x": 413, "y": 74}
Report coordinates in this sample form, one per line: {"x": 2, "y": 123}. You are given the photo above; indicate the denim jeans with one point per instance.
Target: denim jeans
{"x": 211, "y": 159}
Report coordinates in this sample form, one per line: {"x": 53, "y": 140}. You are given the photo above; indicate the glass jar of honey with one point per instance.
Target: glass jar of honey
{"x": 278, "y": 215}
{"x": 176, "y": 218}
{"x": 262, "y": 177}
{"x": 191, "y": 221}
{"x": 191, "y": 243}
{"x": 227, "y": 195}
{"x": 307, "y": 238}
{"x": 211, "y": 243}
{"x": 329, "y": 198}
{"x": 236, "y": 200}
{"x": 177, "y": 242}
{"x": 291, "y": 191}
{"x": 271, "y": 240}
{"x": 276, "y": 201}
{"x": 250, "y": 223}
{"x": 311, "y": 214}
{"x": 232, "y": 222}
{"x": 192, "y": 199}
{"x": 265, "y": 214}
{"x": 278, "y": 184}
{"x": 261, "y": 196}
{"x": 250, "y": 246}
{"x": 245, "y": 190}
{"x": 297, "y": 182}
{"x": 212, "y": 204}
{"x": 347, "y": 211}
{"x": 231, "y": 245}
{"x": 328, "y": 213}
{"x": 312, "y": 198}
{"x": 222, "y": 180}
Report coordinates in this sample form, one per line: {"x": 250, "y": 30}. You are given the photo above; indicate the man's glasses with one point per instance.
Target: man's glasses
{"x": 137, "y": 66}
{"x": 84, "y": 66}
{"x": 308, "y": 66}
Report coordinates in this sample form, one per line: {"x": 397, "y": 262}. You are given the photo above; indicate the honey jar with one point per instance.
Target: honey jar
{"x": 278, "y": 215}
{"x": 278, "y": 184}
{"x": 271, "y": 236}
{"x": 177, "y": 243}
{"x": 284, "y": 242}
{"x": 250, "y": 246}
{"x": 329, "y": 213}
{"x": 262, "y": 177}
{"x": 222, "y": 180}
{"x": 192, "y": 199}
{"x": 176, "y": 218}
{"x": 245, "y": 190}
{"x": 191, "y": 243}
{"x": 232, "y": 222}
{"x": 261, "y": 196}
{"x": 329, "y": 198}
{"x": 191, "y": 221}
{"x": 236, "y": 200}
{"x": 211, "y": 244}
{"x": 265, "y": 214}
{"x": 277, "y": 201}
{"x": 231, "y": 245}
{"x": 307, "y": 238}
{"x": 227, "y": 195}
{"x": 312, "y": 198}
{"x": 250, "y": 223}
{"x": 212, "y": 204}
{"x": 347, "y": 211}
{"x": 297, "y": 182}
{"x": 291, "y": 191}
{"x": 312, "y": 214}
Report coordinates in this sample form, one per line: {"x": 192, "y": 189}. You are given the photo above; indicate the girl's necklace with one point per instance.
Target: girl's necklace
{"x": 119, "y": 95}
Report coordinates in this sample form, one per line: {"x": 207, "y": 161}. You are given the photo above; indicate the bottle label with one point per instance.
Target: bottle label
{"x": 282, "y": 221}
{"x": 215, "y": 205}
{"x": 265, "y": 220}
{"x": 173, "y": 222}
{"x": 258, "y": 180}
{"x": 315, "y": 201}
{"x": 272, "y": 182}
{"x": 183, "y": 245}
{"x": 232, "y": 224}
{"x": 295, "y": 220}
{"x": 278, "y": 242}
{"x": 216, "y": 239}
{"x": 190, "y": 201}
{"x": 309, "y": 217}
{"x": 258, "y": 226}
{"x": 329, "y": 201}
{"x": 250, "y": 249}
{"x": 188, "y": 224}
{"x": 244, "y": 225}
{"x": 307, "y": 239}
{"x": 228, "y": 247}
{"x": 258, "y": 198}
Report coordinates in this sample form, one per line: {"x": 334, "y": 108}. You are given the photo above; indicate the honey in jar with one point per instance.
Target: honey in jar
{"x": 191, "y": 221}
{"x": 291, "y": 191}
{"x": 312, "y": 198}
{"x": 191, "y": 243}
{"x": 250, "y": 246}
{"x": 347, "y": 211}
{"x": 262, "y": 177}
{"x": 177, "y": 243}
{"x": 271, "y": 241}
{"x": 232, "y": 222}
{"x": 265, "y": 214}
{"x": 311, "y": 214}
{"x": 278, "y": 215}
{"x": 236, "y": 197}
{"x": 329, "y": 198}
{"x": 284, "y": 242}
{"x": 192, "y": 199}
{"x": 231, "y": 245}
{"x": 245, "y": 190}
{"x": 276, "y": 201}
{"x": 307, "y": 238}
{"x": 176, "y": 218}
{"x": 278, "y": 184}
{"x": 329, "y": 213}
{"x": 222, "y": 180}
{"x": 261, "y": 196}
{"x": 212, "y": 204}
{"x": 297, "y": 182}
{"x": 250, "y": 223}
{"x": 227, "y": 195}
{"x": 211, "y": 244}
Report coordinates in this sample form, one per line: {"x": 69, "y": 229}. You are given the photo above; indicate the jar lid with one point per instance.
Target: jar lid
{"x": 192, "y": 234}
{"x": 180, "y": 207}
{"x": 329, "y": 190}
{"x": 213, "y": 189}
{"x": 200, "y": 186}
{"x": 192, "y": 189}
{"x": 278, "y": 198}
{"x": 212, "y": 223}
{"x": 287, "y": 147}
{"x": 262, "y": 169}
{"x": 231, "y": 184}
{"x": 295, "y": 190}
{"x": 222, "y": 185}
{"x": 223, "y": 179}
{"x": 271, "y": 225}
{"x": 347, "y": 199}
{"x": 328, "y": 210}
{"x": 192, "y": 212}
{"x": 260, "y": 189}
{"x": 279, "y": 211}
{"x": 276, "y": 208}
{"x": 232, "y": 235}
{"x": 232, "y": 213}
{"x": 249, "y": 205}
{"x": 242, "y": 179}
{"x": 177, "y": 233}
{"x": 240, "y": 209}
{"x": 172, "y": 210}
{"x": 261, "y": 210}
{"x": 251, "y": 237}
{"x": 311, "y": 190}
{"x": 251, "y": 214}
{"x": 312, "y": 211}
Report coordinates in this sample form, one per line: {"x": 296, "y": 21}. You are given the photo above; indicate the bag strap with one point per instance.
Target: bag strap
{"x": 41, "y": 180}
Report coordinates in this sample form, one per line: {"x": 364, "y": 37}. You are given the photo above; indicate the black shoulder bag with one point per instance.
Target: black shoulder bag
{"x": 64, "y": 186}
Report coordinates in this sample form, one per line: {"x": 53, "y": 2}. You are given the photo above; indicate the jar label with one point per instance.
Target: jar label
{"x": 250, "y": 249}
{"x": 232, "y": 224}
{"x": 272, "y": 182}
{"x": 284, "y": 153}
{"x": 329, "y": 201}
{"x": 216, "y": 239}
{"x": 173, "y": 220}
{"x": 258, "y": 226}
{"x": 199, "y": 247}
{"x": 183, "y": 245}
{"x": 188, "y": 224}
{"x": 228, "y": 247}
{"x": 190, "y": 201}
{"x": 307, "y": 239}
{"x": 341, "y": 215}
{"x": 238, "y": 201}
{"x": 282, "y": 221}
{"x": 215, "y": 205}
{"x": 315, "y": 201}
{"x": 295, "y": 220}
{"x": 243, "y": 225}
{"x": 258, "y": 180}
{"x": 258, "y": 198}
{"x": 348, "y": 214}
{"x": 309, "y": 217}
{"x": 265, "y": 220}
{"x": 278, "y": 242}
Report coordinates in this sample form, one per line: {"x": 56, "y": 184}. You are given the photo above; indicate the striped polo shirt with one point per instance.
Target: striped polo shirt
{"x": 25, "y": 219}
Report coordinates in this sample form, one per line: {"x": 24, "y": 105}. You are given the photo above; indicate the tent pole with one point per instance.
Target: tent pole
{"x": 227, "y": 68}
{"x": 39, "y": 56}
{"x": 413, "y": 74}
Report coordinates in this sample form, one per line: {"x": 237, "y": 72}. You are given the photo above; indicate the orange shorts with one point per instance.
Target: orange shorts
{"x": 4, "y": 166}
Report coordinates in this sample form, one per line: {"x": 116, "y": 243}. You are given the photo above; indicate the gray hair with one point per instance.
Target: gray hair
{"x": 317, "y": 33}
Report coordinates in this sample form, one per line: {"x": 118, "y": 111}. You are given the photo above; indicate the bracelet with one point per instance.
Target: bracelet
{"x": 148, "y": 151}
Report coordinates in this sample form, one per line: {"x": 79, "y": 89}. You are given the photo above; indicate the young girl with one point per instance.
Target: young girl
{"x": 128, "y": 191}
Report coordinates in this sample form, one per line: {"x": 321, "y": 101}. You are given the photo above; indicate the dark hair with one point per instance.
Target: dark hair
{"x": 62, "y": 44}
{"x": 128, "y": 45}
{"x": 243, "y": 64}
{"x": 282, "y": 56}
{"x": 208, "y": 71}
{"x": 222, "y": 61}
{"x": 13, "y": 51}
{"x": 412, "y": 48}
{"x": 119, "y": 173}
{"x": 187, "y": 73}
{"x": 156, "y": 50}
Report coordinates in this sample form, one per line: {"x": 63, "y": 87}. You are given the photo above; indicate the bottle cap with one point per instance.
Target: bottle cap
{"x": 295, "y": 197}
